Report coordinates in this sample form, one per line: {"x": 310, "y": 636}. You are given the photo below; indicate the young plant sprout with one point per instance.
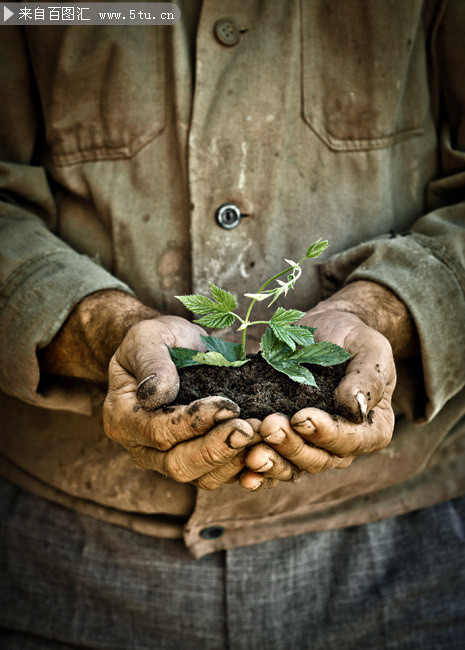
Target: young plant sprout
{"x": 284, "y": 345}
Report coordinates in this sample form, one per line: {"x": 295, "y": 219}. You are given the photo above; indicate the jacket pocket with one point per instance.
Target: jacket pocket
{"x": 102, "y": 89}
{"x": 364, "y": 72}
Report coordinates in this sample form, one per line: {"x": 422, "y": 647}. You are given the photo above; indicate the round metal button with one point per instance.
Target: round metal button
{"x": 227, "y": 31}
{"x": 228, "y": 216}
{"x": 212, "y": 532}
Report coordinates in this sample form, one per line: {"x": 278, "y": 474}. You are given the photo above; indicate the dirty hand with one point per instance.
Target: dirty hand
{"x": 202, "y": 442}
{"x": 374, "y": 326}
{"x": 112, "y": 337}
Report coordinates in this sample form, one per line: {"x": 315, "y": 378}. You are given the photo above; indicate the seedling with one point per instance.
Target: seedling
{"x": 284, "y": 345}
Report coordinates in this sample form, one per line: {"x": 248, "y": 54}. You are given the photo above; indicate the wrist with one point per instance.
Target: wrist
{"x": 379, "y": 308}
{"x": 91, "y": 334}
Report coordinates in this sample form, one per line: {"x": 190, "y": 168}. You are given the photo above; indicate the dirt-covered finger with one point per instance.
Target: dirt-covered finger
{"x": 266, "y": 461}
{"x": 293, "y": 447}
{"x": 167, "y": 426}
{"x": 190, "y": 460}
{"x": 342, "y": 437}
{"x": 144, "y": 355}
{"x": 255, "y": 482}
{"x": 369, "y": 376}
{"x": 223, "y": 474}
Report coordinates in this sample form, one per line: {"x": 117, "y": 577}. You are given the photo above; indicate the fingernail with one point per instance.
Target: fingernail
{"x": 264, "y": 468}
{"x": 306, "y": 426}
{"x": 237, "y": 439}
{"x": 255, "y": 483}
{"x": 362, "y": 404}
{"x": 146, "y": 388}
{"x": 224, "y": 414}
{"x": 276, "y": 438}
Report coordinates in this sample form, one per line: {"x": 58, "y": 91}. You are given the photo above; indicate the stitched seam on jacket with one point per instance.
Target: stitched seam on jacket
{"x": 105, "y": 153}
{"x": 16, "y": 277}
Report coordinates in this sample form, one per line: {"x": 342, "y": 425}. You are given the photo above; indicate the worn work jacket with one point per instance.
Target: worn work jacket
{"x": 341, "y": 120}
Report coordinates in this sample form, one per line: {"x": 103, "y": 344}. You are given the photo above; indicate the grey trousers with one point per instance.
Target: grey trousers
{"x": 68, "y": 581}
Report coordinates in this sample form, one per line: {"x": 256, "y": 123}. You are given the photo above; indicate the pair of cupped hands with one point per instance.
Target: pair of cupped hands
{"x": 207, "y": 443}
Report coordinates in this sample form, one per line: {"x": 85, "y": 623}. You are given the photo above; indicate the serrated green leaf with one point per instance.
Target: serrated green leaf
{"x": 270, "y": 345}
{"x": 300, "y": 335}
{"x": 216, "y": 320}
{"x": 294, "y": 370}
{"x": 323, "y": 354}
{"x": 281, "y": 332}
{"x": 183, "y": 357}
{"x": 198, "y": 304}
{"x": 217, "y": 359}
{"x": 225, "y": 300}
{"x": 316, "y": 248}
{"x": 230, "y": 351}
{"x": 286, "y": 316}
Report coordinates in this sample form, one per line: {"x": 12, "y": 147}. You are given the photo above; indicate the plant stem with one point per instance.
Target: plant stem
{"x": 253, "y": 301}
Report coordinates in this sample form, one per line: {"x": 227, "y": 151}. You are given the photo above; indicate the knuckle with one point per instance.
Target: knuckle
{"x": 157, "y": 436}
{"x": 296, "y": 450}
{"x": 214, "y": 455}
{"x": 327, "y": 463}
{"x": 176, "y": 469}
{"x": 319, "y": 464}
{"x": 347, "y": 450}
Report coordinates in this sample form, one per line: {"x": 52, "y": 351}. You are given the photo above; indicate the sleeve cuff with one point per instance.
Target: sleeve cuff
{"x": 34, "y": 302}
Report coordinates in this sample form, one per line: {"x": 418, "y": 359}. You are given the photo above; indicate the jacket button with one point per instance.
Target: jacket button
{"x": 228, "y": 216}
{"x": 227, "y": 31}
{"x": 212, "y": 532}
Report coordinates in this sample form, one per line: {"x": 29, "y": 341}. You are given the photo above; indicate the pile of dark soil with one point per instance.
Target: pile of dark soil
{"x": 259, "y": 389}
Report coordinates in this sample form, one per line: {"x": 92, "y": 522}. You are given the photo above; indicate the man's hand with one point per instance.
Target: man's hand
{"x": 112, "y": 336}
{"x": 202, "y": 442}
{"x": 374, "y": 326}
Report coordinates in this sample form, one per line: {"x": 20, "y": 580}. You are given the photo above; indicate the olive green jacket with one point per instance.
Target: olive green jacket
{"x": 341, "y": 120}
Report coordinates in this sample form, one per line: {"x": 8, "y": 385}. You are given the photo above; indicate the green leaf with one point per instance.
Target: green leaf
{"x": 217, "y": 359}
{"x": 183, "y": 357}
{"x": 225, "y": 300}
{"x": 323, "y": 354}
{"x": 282, "y": 334}
{"x": 280, "y": 323}
{"x": 300, "y": 335}
{"x": 316, "y": 248}
{"x": 270, "y": 345}
{"x": 286, "y": 316}
{"x": 281, "y": 356}
{"x": 198, "y": 304}
{"x": 216, "y": 320}
{"x": 293, "y": 370}
{"x": 215, "y": 314}
{"x": 230, "y": 351}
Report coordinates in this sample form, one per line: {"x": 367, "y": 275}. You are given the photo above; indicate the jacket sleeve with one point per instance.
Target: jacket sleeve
{"x": 425, "y": 267}
{"x": 41, "y": 278}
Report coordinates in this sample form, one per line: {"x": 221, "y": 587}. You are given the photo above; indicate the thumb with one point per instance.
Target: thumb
{"x": 160, "y": 384}
{"x": 144, "y": 355}
{"x": 369, "y": 376}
